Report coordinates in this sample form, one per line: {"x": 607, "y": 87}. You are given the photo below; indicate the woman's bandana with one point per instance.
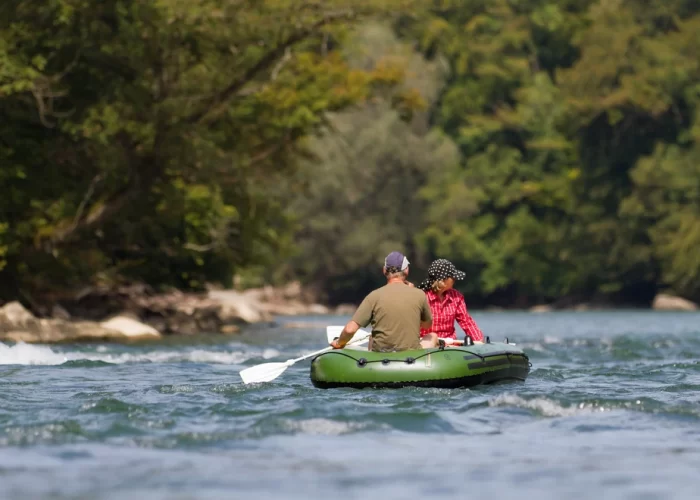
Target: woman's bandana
{"x": 440, "y": 269}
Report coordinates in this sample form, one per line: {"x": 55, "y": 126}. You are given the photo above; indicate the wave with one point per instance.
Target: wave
{"x": 323, "y": 426}
{"x": 614, "y": 348}
{"x": 550, "y": 408}
{"x": 26, "y": 354}
{"x": 672, "y": 408}
{"x": 30, "y": 354}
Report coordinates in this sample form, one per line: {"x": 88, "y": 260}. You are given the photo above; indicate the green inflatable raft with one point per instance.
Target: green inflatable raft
{"x": 446, "y": 367}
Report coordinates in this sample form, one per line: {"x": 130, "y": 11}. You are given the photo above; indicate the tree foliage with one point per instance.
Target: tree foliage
{"x": 139, "y": 139}
{"x": 360, "y": 200}
{"x": 564, "y": 112}
{"x": 548, "y": 148}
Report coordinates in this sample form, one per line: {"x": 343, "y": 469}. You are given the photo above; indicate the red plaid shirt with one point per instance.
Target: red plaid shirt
{"x": 446, "y": 311}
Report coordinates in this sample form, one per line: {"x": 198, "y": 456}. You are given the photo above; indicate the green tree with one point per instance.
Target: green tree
{"x": 139, "y": 139}
{"x": 361, "y": 190}
{"x": 553, "y": 105}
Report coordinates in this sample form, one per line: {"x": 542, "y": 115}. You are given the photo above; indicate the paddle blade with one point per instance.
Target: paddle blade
{"x": 263, "y": 373}
{"x": 334, "y": 331}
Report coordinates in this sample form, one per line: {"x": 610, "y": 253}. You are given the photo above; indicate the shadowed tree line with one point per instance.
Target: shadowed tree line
{"x": 547, "y": 148}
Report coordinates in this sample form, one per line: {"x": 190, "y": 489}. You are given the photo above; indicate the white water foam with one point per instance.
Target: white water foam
{"x": 547, "y": 407}
{"x": 323, "y": 426}
{"x": 29, "y": 354}
{"x": 270, "y": 353}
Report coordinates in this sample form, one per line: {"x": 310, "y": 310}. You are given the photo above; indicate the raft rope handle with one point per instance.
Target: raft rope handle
{"x": 337, "y": 352}
{"x": 481, "y": 357}
{"x": 413, "y": 360}
{"x": 362, "y": 362}
{"x": 365, "y": 361}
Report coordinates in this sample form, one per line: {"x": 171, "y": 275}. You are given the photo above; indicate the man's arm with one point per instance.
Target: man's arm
{"x": 345, "y": 336}
{"x": 361, "y": 317}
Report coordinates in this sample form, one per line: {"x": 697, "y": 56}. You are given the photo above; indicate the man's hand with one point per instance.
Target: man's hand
{"x": 336, "y": 344}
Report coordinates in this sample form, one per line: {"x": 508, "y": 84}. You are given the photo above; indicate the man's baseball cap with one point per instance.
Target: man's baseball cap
{"x": 396, "y": 260}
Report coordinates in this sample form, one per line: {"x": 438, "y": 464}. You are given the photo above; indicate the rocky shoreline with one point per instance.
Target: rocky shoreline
{"x": 661, "y": 302}
{"x": 137, "y": 313}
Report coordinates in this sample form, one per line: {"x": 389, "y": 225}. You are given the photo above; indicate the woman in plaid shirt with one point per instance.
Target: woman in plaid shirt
{"x": 446, "y": 303}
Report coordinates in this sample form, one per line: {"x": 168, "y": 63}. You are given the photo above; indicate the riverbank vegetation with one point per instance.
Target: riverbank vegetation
{"x": 550, "y": 149}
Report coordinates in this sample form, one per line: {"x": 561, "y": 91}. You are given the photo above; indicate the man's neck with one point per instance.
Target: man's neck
{"x": 391, "y": 281}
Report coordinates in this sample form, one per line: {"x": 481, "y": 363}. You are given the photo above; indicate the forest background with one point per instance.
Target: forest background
{"x": 551, "y": 149}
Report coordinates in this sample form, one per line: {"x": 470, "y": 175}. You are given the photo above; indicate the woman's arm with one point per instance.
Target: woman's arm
{"x": 466, "y": 321}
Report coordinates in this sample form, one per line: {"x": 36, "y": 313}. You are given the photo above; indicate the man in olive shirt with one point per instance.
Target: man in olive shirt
{"x": 396, "y": 312}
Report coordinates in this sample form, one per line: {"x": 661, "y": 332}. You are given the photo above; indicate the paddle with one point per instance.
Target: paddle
{"x": 267, "y": 372}
{"x": 333, "y": 332}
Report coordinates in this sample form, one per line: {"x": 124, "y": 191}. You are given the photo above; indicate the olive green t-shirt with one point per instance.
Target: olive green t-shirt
{"x": 395, "y": 312}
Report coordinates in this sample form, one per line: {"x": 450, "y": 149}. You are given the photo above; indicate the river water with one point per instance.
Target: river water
{"x": 611, "y": 410}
